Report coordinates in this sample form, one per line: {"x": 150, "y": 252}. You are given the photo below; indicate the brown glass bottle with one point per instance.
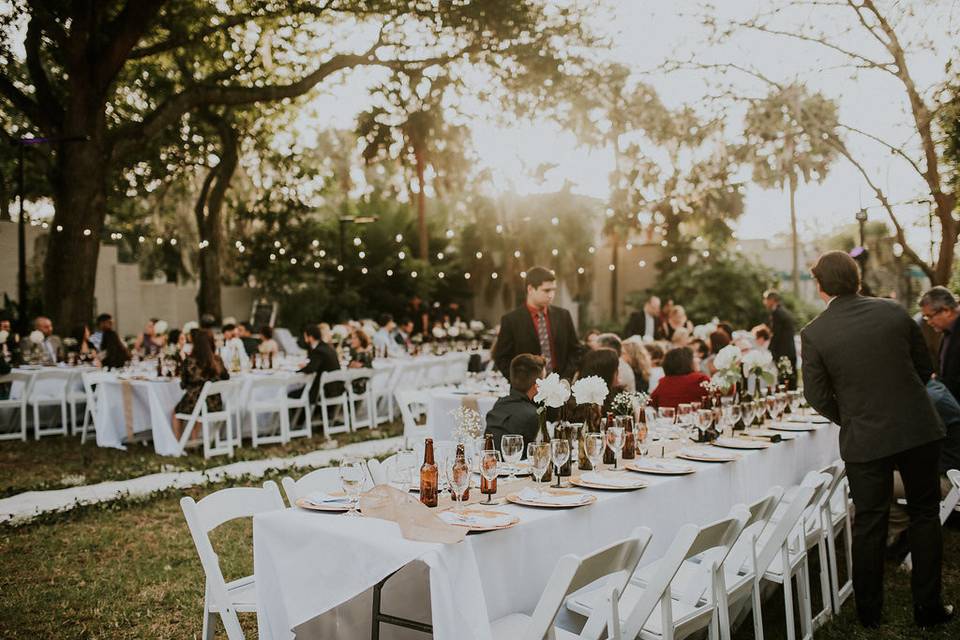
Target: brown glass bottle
{"x": 488, "y": 487}
{"x": 629, "y": 443}
{"x": 428, "y": 476}
{"x": 608, "y": 455}
{"x": 543, "y": 435}
{"x": 461, "y": 462}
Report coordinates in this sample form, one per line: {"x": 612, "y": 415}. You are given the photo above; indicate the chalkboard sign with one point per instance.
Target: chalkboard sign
{"x": 263, "y": 314}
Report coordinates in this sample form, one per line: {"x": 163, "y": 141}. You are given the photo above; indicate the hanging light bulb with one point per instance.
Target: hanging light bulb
{"x": 440, "y": 255}
{"x": 363, "y": 270}
{"x": 663, "y": 243}
{"x": 516, "y": 254}
{"x": 87, "y": 232}
{"x": 356, "y": 242}
{"x": 362, "y": 255}
{"x": 499, "y": 228}
{"x": 523, "y": 274}
{"x": 398, "y": 237}
{"x": 612, "y": 267}
{"x": 293, "y": 261}
{"x": 581, "y": 270}
{"x": 321, "y": 253}
{"x": 276, "y": 244}
{"x": 402, "y": 255}
{"x": 642, "y": 264}
{"x": 494, "y": 276}
{"x": 413, "y": 274}
{"x": 450, "y": 233}
{"x": 339, "y": 267}
{"x": 440, "y": 275}
{"x": 479, "y": 254}
{"x": 316, "y": 265}
{"x": 389, "y": 272}
{"x": 673, "y": 258}
{"x": 466, "y": 276}
{"x": 315, "y": 243}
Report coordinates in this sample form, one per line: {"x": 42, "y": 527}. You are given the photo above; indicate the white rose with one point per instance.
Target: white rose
{"x": 727, "y": 358}
{"x": 453, "y": 331}
{"x": 340, "y": 331}
{"x": 36, "y": 337}
{"x": 160, "y": 327}
{"x": 552, "y": 391}
{"x": 703, "y": 331}
{"x": 590, "y": 390}
{"x": 476, "y": 325}
{"x": 439, "y": 333}
{"x": 190, "y": 326}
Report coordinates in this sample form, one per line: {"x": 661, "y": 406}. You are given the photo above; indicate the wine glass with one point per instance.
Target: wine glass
{"x": 781, "y": 404}
{"x": 445, "y": 454}
{"x": 759, "y": 407}
{"x": 489, "y": 469}
{"x": 352, "y": 475}
{"x": 560, "y": 453}
{"x": 735, "y": 414}
{"x": 746, "y": 410}
{"x": 771, "y": 404}
{"x": 512, "y": 447}
{"x": 704, "y": 419}
{"x": 666, "y": 416}
{"x": 640, "y": 434}
{"x": 538, "y": 455}
{"x": 614, "y": 438}
{"x": 685, "y": 414}
{"x": 459, "y": 480}
{"x": 400, "y": 472}
{"x": 593, "y": 444}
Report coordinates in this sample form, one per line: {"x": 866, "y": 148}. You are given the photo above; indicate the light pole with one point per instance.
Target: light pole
{"x": 862, "y": 220}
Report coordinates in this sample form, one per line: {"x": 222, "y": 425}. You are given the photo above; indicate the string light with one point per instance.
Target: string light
{"x": 402, "y": 255}
{"x": 440, "y": 275}
{"x": 322, "y": 253}
{"x": 479, "y": 254}
{"x": 87, "y": 232}
{"x": 592, "y": 249}
{"x": 629, "y": 246}
{"x": 173, "y": 242}
{"x": 555, "y": 252}
{"x": 523, "y": 274}
{"x": 282, "y": 251}
{"x": 612, "y": 267}
{"x": 159, "y": 240}
{"x": 339, "y": 267}
{"x": 554, "y": 221}
{"x": 60, "y": 228}
{"x": 45, "y": 225}
{"x": 494, "y": 276}
{"x": 140, "y": 239}
{"x": 466, "y": 276}
{"x": 642, "y": 264}
{"x": 363, "y": 271}
{"x": 581, "y": 270}
{"x": 362, "y": 255}
{"x": 706, "y": 254}
{"x": 663, "y": 243}
{"x": 449, "y": 233}
{"x": 516, "y": 254}
{"x": 316, "y": 265}
{"x": 440, "y": 255}
{"x": 276, "y": 244}
{"x": 398, "y": 237}
{"x": 356, "y": 242}
{"x": 293, "y": 261}
{"x": 273, "y": 256}
{"x": 413, "y": 274}
{"x": 389, "y": 272}
{"x": 315, "y": 243}
{"x": 673, "y": 258}
{"x": 499, "y": 228}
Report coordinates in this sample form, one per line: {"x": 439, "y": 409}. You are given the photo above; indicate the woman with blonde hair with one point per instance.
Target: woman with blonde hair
{"x": 637, "y": 356}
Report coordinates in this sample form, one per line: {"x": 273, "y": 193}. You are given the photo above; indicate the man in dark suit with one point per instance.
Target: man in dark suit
{"x": 539, "y": 328}
{"x": 940, "y": 311}
{"x": 783, "y": 328}
{"x": 864, "y": 367}
{"x": 321, "y": 357}
{"x": 645, "y": 323}
{"x": 516, "y": 412}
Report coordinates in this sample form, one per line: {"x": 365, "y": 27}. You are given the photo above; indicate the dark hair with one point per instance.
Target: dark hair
{"x": 173, "y": 336}
{"x": 837, "y": 273}
{"x": 204, "y": 354}
{"x": 761, "y": 332}
{"x": 207, "y": 321}
{"x": 404, "y": 321}
{"x": 718, "y": 340}
{"x": 103, "y": 317}
{"x": 678, "y": 361}
{"x": 267, "y": 332}
{"x": 939, "y": 298}
{"x": 247, "y": 326}
{"x": 116, "y": 352}
{"x": 611, "y": 341}
{"x": 727, "y": 328}
{"x": 77, "y": 333}
{"x": 536, "y": 276}
{"x": 313, "y": 331}
{"x": 228, "y": 327}
{"x": 601, "y": 362}
{"x": 700, "y": 346}
{"x": 772, "y": 294}
{"x": 656, "y": 353}
{"x": 525, "y": 370}
{"x": 385, "y": 319}
{"x": 361, "y": 335}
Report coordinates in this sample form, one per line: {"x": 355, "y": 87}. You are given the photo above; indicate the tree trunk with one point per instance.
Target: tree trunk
{"x": 794, "y": 236}
{"x": 422, "y": 206}
{"x": 614, "y": 283}
{"x": 4, "y": 200}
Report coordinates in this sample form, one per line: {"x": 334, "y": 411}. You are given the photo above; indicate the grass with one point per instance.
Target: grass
{"x": 130, "y": 571}
{"x": 58, "y": 462}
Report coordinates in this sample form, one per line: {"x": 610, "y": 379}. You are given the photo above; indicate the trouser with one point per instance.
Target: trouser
{"x": 899, "y": 519}
{"x": 871, "y": 487}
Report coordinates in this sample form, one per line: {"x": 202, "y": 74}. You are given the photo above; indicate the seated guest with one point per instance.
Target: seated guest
{"x": 656, "y": 364}
{"x": 201, "y": 366}
{"x": 680, "y": 382}
{"x": 251, "y": 343}
{"x": 718, "y": 340}
{"x": 82, "y": 349}
{"x": 233, "y": 353}
{"x": 49, "y": 350}
{"x": 268, "y": 346}
{"x": 636, "y": 355}
{"x": 113, "y": 353}
{"x": 516, "y": 413}
{"x": 761, "y": 335}
{"x": 624, "y": 372}
{"x": 676, "y": 320}
{"x": 104, "y": 322}
{"x": 383, "y": 341}
{"x": 148, "y": 343}
{"x": 403, "y": 333}
{"x": 602, "y": 362}
{"x": 700, "y": 354}
{"x": 321, "y": 357}
{"x": 591, "y": 339}
{"x": 361, "y": 353}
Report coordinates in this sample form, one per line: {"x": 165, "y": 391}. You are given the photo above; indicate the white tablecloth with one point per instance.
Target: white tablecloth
{"x": 443, "y": 402}
{"x": 310, "y": 563}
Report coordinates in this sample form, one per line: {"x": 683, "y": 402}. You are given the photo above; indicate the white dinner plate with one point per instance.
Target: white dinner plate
{"x": 584, "y": 499}
{"x": 739, "y": 443}
{"x": 707, "y": 455}
{"x": 623, "y": 482}
{"x": 479, "y": 519}
{"x": 661, "y": 467}
{"x": 793, "y": 426}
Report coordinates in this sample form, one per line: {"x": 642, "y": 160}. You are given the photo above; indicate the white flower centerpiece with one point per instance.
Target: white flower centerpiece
{"x": 160, "y": 327}
{"x": 469, "y": 424}
{"x": 758, "y": 363}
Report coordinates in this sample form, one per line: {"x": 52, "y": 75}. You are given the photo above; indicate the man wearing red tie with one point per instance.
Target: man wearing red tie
{"x": 539, "y": 328}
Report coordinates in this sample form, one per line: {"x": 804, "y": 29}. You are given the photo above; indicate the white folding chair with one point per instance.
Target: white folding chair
{"x": 612, "y": 565}
{"x": 50, "y": 389}
{"x": 267, "y": 398}
{"x": 324, "y": 480}
{"x": 91, "y": 384}
{"x": 414, "y": 405}
{"x": 222, "y": 597}
{"x": 335, "y": 403}
{"x": 838, "y": 521}
{"x": 690, "y": 601}
{"x": 361, "y": 379}
{"x": 947, "y": 506}
{"x": 301, "y": 404}
{"x": 17, "y": 404}
{"x": 76, "y": 396}
{"x": 383, "y": 381}
{"x": 216, "y": 441}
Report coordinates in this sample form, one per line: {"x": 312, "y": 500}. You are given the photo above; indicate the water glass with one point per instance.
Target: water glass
{"x": 735, "y": 414}
{"x": 560, "y": 453}
{"x": 538, "y": 455}
{"x": 614, "y": 437}
{"x": 352, "y": 475}
{"x": 400, "y": 474}
{"x": 459, "y": 480}
{"x": 593, "y": 444}
{"x": 489, "y": 469}
{"x": 512, "y": 447}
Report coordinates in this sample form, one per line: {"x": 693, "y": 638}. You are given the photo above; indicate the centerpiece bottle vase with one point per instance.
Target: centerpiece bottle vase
{"x": 488, "y": 487}
{"x": 609, "y": 457}
{"x": 461, "y": 463}
{"x": 741, "y": 395}
{"x": 629, "y": 443}
{"x": 428, "y": 476}
{"x": 591, "y": 425}
{"x": 543, "y": 436}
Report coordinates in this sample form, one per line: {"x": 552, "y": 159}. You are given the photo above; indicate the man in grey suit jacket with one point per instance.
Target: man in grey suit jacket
{"x": 864, "y": 367}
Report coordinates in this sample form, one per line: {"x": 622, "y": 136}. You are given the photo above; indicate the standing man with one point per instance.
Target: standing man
{"x": 782, "y": 342}
{"x": 940, "y": 311}
{"x": 864, "y": 367}
{"x": 539, "y": 328}
{"x": 321, "y": 358}
{"x": 646, "y": 323}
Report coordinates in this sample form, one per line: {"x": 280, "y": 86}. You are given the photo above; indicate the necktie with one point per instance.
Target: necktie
{"x": 544, "y": 336}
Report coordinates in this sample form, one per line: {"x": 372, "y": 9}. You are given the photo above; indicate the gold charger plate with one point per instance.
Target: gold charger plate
{"x": 672, "y": 471}
{"x": 303, "y": 503}
{"x": 588, "y": 499}
{"x": 578, "y": 481}
{"x": 480, "y": 513}
{"x": 691, "y": 455}
{"x": 740, "y": 443}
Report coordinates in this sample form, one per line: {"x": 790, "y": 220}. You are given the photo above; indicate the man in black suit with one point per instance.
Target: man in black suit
{"x": 516, "y": 413}
{"x": 864, "y": 367}
{"x": 321, "y": 357}
{"x": 940, "y": 311}
{"x": 645, "y": 323}
{"x": 539, "y": 328}
{"x": 783, "y": 328}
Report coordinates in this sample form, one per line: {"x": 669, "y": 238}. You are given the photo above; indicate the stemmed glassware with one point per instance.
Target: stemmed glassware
{"x": 666, "y": 417}
{"x": 559, "y": 453}
{"x": 459, "y": 480}
{"x": 445, "y": 456}
{"x": 735, "y": 414}
{"x": 512, "y": 447}
{"x": 593, "y": 444}
{"x": 352, "y": 475}
{"x": 400, "y": 473}
{"x": 747, "y": 410}
{"x": 538, "y": 455}
{"x": 704, "y": 420}
{"x": 489, "y": 469}
{"x": 614, "y": 438}
{"x": 685, "y": 415}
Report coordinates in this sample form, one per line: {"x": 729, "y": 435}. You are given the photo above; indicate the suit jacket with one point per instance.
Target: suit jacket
{"x": 322, "y": 358}
{"x": 950, "y": 375}
{"x": 782, "y": 343}
{"x": 519, "y": 335}
{"x": 27, "y": 347}
{"x": 637, "y": 325}
{"x": 864, "y": 367}
{"x": 513, "y": 414}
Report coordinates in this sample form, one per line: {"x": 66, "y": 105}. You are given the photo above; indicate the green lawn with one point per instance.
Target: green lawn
{"x": 131, "y": 571}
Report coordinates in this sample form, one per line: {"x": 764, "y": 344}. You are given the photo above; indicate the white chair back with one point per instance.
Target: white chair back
{"x": 360, "y": 394}
{"x": 91, "y": 388}
{"x": 18, "y": 404}
{"x": 209, "y": 513}
{"x": 50, "y": 387}
{"x": 326, "y": 480}
{"x": 413, "y": 405}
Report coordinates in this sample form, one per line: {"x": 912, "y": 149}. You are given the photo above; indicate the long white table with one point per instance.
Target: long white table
{"x": 314, "y": 570}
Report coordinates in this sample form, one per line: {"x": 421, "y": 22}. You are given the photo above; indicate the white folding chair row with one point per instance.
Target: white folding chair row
{"x": 362, "y": 379}
{"x": 688, "y": 601}
{"x": 947, "y": 506}
{"x": 50, "y": 388}
{"x": 17, "y": 404}
{"x": 384, "y": 382}
{"x": 217, "y": 440}
{"x": 91, "y": 381}
{"x": 333, "y": 401}
{"x": 224, "y": 598}
{"x": 838, "y": 521}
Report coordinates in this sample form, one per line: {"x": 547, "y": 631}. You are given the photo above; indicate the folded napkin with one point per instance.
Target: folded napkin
{"x": 702, "y": 453}
{"x": 741, "y": 443}
{"x": 416, "y": 520}
{"x": 613, "y": 480}
{"x": 662, "y": 465}
{"x": 326, "y": 499}
{"x": 532, "y": 495}
{"x": 809, "y": 419}
{"x": 476, "y": 518}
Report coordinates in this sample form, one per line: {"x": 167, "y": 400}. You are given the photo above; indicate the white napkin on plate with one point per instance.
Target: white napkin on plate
{"x": 475, "y": 519}
{"x": 705, "y": 453}
{"x": 326, "y": 500}
{"x": 532, "y": 495}
{"x": 665, "y": 464}
{"x": 613, "y": 480}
